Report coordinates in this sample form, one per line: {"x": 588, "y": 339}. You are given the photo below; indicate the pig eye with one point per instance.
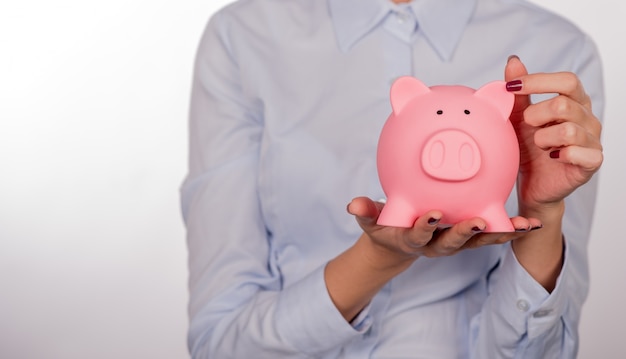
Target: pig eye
{"x": 467, "y": 112}
{"x": 439, "y": 112}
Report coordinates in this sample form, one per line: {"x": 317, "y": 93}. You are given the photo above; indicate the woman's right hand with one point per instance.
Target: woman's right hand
{"x": 426, "y": 238}
{"x": 355, "y": 276}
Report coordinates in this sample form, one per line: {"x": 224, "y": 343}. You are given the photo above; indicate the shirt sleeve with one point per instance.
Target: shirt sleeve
{"x": 520, "y": 319}
{"x": 238, "y": 307}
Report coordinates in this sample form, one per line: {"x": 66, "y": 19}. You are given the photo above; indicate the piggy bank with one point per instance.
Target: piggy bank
{"x": 448, "y": 148}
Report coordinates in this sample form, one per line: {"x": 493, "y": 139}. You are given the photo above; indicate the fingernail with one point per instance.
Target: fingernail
{"x": 536, "y": 228}
{"x": 433, "y": 221}
{"x": 522, "y": 229}
{"x": 555, "y": 154}
{"x": 514, "y": 85}
{"x": 477, "y": 230}
{"x": 512, "y": 57}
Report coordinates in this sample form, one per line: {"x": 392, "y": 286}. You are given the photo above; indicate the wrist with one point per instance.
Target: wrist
{"x": 382, "y": 259}
{"x": 356, "y": 275}
{"x": 541, "y": 252}
{"x": 551, "y": 212}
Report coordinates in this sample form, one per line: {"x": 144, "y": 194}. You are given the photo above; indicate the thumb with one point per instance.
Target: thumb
{"x": 513, "y": 72}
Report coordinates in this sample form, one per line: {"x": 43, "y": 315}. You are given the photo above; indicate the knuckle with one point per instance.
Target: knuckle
{"x": 416, "y": 243}
{"x": 588, "y": 100}
{"x": 599, "y": 159}
{"x": 449, "y": 247}
{"x": 503, "y": 239}
{"x": 561, "y": 106}
{"x": 596, "y": 127}
{"x": 569, "y": 133}
{"x": 420, "y": 243}
{"x": 482, "y": 242}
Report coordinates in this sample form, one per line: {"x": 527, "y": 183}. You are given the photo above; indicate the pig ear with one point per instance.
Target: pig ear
{"x": 496, "y": 94}
{"x": 403, "y": 90}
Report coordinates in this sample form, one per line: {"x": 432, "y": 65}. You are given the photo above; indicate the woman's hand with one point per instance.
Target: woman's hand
{"x": 381, "y": 253}
{"x": 559, "y": 138}
{"x": 560, "y": 150}
{"x": 425, "y": 238}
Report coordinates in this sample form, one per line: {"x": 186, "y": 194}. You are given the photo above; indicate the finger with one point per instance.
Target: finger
{"x": 589, "y": 159}
{"x": 364, "y": 209}
{"x": 514, "y": 70}
{"x": 562, "y": 109}
{"x": 423, "y": 229}
{"x": 454, "y": 238}
{"x": 487, "y": 239}
{"x": 565, "y": 134}
{"x": 523, "y": 224}
{"x": 428, "y": 221}
{"x": 564, "y": 83}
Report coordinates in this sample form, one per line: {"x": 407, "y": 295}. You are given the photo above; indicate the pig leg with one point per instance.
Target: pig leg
{"x": 397, "y": 213}
{"x": 497, "y": 219}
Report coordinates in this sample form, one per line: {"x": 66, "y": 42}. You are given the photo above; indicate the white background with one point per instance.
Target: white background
{"x": 93, "y": 104}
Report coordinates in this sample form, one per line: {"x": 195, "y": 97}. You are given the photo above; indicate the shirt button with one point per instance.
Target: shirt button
{"x": 523, "y": 305}
{"x": 542, "y": 313}
{"x": 402, "y": 17}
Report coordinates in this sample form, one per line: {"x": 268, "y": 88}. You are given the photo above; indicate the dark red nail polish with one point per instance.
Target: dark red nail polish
{"x": 512, "y": 57}
{"x": 555, "y": 154}
{"x": 536, "y": 228}
{"x": 514, "y": 85}
{"x": 477, "y": 230}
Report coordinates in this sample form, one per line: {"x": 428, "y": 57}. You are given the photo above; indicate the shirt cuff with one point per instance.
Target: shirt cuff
{"x": 363, "y": 321}
{"x": 528, "y": 306}
{"x": 308, "y": 319}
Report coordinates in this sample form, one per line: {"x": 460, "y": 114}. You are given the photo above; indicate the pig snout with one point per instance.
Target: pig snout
{"x": 451, "y": 155}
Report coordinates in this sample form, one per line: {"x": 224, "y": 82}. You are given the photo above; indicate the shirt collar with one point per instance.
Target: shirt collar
{"x": 442, "y": 22}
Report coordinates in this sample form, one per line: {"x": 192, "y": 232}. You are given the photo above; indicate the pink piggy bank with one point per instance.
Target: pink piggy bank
{"x": 449, "y": 148}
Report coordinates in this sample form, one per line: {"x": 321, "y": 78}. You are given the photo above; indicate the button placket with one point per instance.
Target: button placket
{"x": 401, "y": 24}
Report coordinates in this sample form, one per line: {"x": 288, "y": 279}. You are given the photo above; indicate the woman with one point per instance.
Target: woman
{"x": 289, "y": 98}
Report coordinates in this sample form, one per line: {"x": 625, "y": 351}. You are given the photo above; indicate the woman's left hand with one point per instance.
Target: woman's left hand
{"x": 560, "y": 146}
{"x": 560, "y": 150}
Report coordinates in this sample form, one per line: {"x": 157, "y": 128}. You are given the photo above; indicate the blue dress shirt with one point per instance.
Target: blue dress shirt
{"x": 288, "y": 100}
